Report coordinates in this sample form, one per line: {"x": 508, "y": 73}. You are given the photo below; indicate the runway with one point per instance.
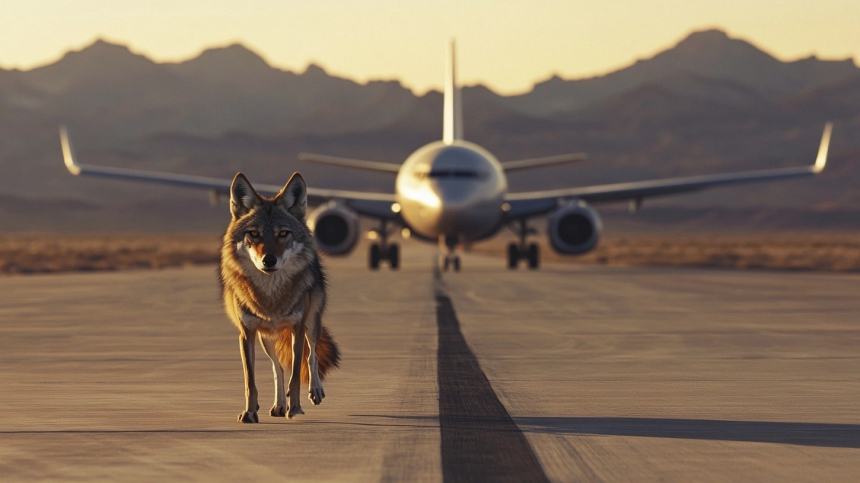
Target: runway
{"x": 565, "y": 374}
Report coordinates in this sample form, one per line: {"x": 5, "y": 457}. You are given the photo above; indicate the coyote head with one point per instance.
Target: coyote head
{"x": 270, "y": 233}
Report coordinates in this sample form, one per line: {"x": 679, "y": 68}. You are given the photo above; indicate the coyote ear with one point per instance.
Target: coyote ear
{"x": 243, "y": 198}
{"x": 294, "y": 196}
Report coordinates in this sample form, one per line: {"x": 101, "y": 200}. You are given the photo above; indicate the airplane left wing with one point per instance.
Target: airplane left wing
{"x": 377, "y": 205}
{"x": 538, "y": 202}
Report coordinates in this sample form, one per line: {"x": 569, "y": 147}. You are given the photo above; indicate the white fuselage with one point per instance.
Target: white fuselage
{"x": 451, "y": 190}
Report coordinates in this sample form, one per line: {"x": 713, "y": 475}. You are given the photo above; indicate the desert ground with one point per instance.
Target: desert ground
{"x": 838, "y": 251}
{"x": 570, "y": 373}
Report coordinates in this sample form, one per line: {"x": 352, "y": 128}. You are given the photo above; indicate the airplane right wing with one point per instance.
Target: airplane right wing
{"x": 509, "y": 166}
{"x": 350, "y": 163}
{"x": 539, "y": 202}
{"x": 377, "y": 205}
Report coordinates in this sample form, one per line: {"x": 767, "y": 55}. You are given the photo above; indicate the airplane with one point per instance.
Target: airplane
{"x": 454, "y": 192}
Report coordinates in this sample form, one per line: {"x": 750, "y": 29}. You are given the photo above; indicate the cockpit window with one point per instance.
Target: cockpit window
{"x": 449, "y": 173}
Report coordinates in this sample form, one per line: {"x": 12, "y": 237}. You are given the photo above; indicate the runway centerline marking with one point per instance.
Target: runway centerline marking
{"x": 480, "y": 441}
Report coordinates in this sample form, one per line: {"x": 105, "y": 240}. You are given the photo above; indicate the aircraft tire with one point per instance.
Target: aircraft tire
{"x": 534, "y": 256}
{"x": 394, "y": 256}
{"x": 513, "y": 256}
{"x": 374, "y": 257}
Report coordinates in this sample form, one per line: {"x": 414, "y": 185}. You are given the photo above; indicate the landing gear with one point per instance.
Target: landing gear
{"x": 533, "y": 255}
{"x": 375, "y": 256}
{"x": 523, "y": 251}
{"x": 449, "y": 259}
{"x": 383, "y": 250}
{"x": 454, "y": 261}
{"x": 380, "y": 252}
{"x": 394, "y": 256}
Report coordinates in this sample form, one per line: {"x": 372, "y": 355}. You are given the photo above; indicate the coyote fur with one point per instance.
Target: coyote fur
{"x": 274, "y": 288}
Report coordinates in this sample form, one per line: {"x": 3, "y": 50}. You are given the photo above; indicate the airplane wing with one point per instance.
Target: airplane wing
{"x": 350, "y": 163}
{"x": 509, "y": 166}
{"x": 538, "y": 202}
{"x": 377, "y": 205}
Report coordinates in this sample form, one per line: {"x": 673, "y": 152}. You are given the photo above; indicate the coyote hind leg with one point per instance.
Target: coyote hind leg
{"x": 315, "y": 387}
{"x": 313, "y": 327}
{"x": 279, "y": 409}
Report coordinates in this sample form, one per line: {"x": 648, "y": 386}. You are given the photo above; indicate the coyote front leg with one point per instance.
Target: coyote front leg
{"x": 279, "y": 410}
{"x": 246, "y": 346}
{"x": 298, "y": 341}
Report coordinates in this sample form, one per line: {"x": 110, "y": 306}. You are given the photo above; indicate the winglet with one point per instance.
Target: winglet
{"x": 68, "y": 153}
{"x": 821, "y": 160}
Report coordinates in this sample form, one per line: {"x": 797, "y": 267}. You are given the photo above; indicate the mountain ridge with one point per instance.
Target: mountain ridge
{"x": 709, "y": 53}
{"x": 709, "y": 104}
{"x": 712, "y": 45}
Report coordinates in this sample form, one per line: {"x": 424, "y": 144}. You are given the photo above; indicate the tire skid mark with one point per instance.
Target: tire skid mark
{"x": 480, "y": 441}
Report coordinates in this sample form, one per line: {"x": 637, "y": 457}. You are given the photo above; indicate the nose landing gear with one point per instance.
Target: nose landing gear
{"x": 449, "y": 261}
{"x": 523, "y": 251}
{"x": 448, "y": 257}
{"x": 382, "y": 250}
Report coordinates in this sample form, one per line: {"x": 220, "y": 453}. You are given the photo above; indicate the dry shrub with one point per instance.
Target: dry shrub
{"x": 47, "y": 253}
{"x": 828, "y": 252}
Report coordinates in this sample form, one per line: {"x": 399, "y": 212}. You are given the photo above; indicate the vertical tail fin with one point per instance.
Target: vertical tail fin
{"x": 453, "y": 123}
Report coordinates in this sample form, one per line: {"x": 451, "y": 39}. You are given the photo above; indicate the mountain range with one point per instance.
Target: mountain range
{"x": 710, "y": 103}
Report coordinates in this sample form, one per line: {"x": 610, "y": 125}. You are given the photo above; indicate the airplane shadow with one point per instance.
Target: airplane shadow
{"x": 805, "y": 434}
{"x": 825, "y": 435}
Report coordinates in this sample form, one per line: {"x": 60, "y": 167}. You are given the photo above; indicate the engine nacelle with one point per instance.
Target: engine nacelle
{"x": 574, "y": 228}
{"x": 335, "y": 228}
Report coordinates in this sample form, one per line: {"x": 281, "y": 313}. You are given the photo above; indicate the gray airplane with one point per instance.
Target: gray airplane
{"x": 453, "y": 192}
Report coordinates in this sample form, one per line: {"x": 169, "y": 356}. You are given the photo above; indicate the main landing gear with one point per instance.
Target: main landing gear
{"x": 448, "y": 258}
{"x": 523, "y": 251}
{"x": 382, "y": 250}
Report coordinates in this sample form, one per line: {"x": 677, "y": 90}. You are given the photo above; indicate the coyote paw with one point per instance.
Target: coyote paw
{"x": 248, "y": 417}
{"x": 278, "y": 411}
{"x": 316, "y": 394}
{"x": 295, "y": 411}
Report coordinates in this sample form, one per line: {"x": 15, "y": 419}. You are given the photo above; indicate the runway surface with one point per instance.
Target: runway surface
{"x": 565, "y": 374}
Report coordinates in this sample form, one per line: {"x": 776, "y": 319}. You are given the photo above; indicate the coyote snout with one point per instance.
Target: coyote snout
{"x": 270, "y": 248}
{"x": 274, "y": 288}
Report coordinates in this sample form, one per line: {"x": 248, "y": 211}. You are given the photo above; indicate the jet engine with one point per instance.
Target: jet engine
{"x": 335, "y": 228}
{"x": 574, "y": 228}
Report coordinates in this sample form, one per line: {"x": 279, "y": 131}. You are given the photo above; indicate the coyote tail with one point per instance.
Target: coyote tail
{"x": 328, "y": 354}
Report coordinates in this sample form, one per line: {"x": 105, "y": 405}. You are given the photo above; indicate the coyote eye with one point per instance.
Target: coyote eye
{"x": 283, "y": 233}
{"x": 254, "y": 234}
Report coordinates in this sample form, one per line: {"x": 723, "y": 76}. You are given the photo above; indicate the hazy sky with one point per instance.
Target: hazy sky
{"x": 505, "y": 44}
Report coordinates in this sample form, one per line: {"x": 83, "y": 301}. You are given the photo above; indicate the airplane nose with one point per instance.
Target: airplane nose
{"x": 269, "y": 261}
{"x": 454, "y": 195}
{"x": 461, "y": 209}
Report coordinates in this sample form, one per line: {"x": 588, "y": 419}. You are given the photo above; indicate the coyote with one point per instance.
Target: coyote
{"x": 274, "y": 287}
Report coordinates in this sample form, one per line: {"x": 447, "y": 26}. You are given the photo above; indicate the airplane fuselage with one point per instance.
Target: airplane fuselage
{"x": 454, "y": 189}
